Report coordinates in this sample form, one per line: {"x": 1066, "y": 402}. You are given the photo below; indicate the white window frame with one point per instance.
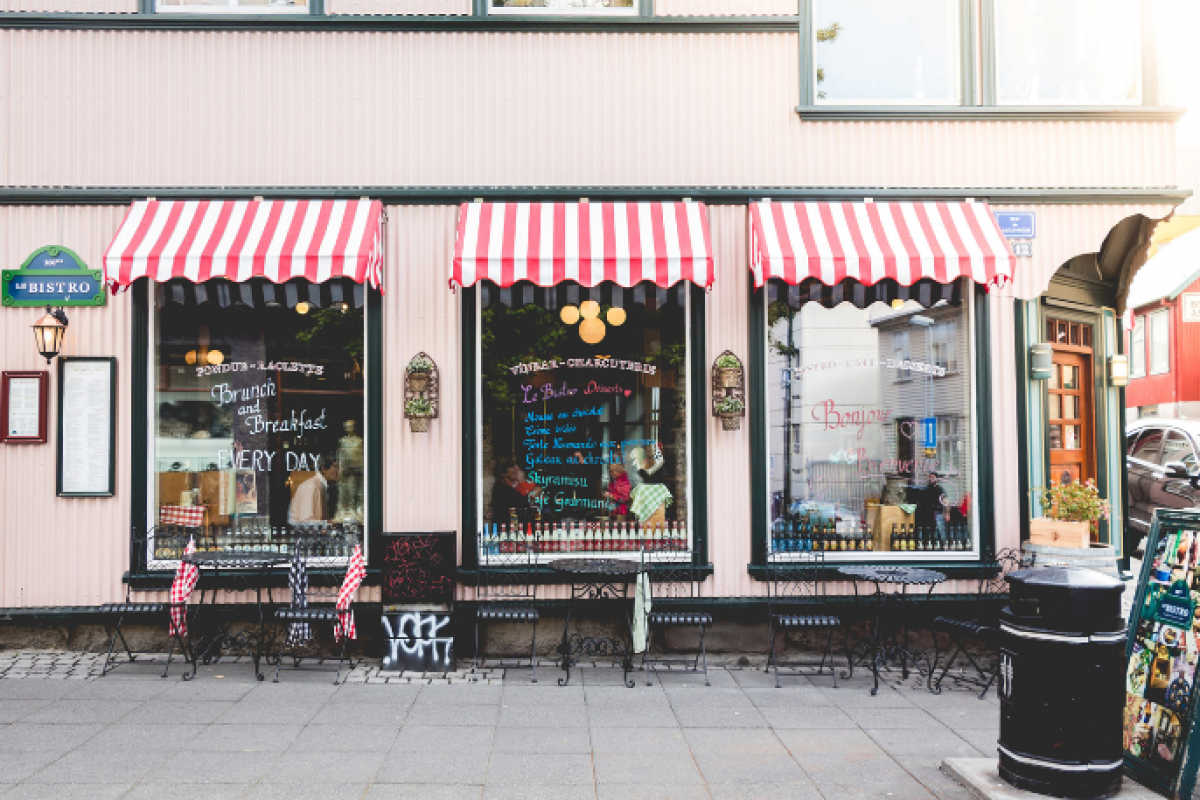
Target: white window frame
{"x": 1164, "y": 315}
{"x": 1137, "y": 348}
{"x": 901, "y": 353}
{"x": 635, "y": 11}
{"x": 944, "y": 333}
{"x": 231, "y": 7}
{"x": 959, "y": 89}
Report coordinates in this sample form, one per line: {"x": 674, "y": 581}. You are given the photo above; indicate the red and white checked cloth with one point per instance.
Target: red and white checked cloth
{"x": 354, "y": 578}
{"x": 181, "y": 589}
{"x": 188, "y": 516}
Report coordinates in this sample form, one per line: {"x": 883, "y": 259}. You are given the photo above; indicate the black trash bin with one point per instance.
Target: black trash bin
{"x": 1062, "y": 690}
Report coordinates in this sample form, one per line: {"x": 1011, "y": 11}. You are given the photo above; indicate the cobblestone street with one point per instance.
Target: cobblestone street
{"x": 65, "y": 732}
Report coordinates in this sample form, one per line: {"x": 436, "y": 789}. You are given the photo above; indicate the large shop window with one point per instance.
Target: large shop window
{"x": 258, "y": 414}
{"x": 881, "y": 51}
{"x": 1059, "y": 52}
{"x": 584, "y": 402}
{"x": 563, "y": 6}
{"x": 871, "y": 425}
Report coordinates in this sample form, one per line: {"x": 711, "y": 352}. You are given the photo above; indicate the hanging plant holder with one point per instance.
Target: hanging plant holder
{"x": 421, "y": 392}
{"x": 729, "y": 391}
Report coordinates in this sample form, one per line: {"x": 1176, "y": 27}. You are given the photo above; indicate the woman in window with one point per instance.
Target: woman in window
{"x": 651, "y": 496}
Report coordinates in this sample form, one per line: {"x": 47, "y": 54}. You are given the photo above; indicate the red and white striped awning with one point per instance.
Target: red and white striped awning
{"x": 870, "y": 242}
{"x": 241, "y": 239}
{"x": 548, "y": 243}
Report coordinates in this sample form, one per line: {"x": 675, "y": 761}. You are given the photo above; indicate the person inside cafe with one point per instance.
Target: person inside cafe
{"x": 512, "y": 497}
{"x": 932, "y": 507}
{"x": 315, "y": 499}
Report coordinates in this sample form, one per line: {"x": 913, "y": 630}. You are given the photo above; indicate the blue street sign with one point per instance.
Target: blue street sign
{"x": 929, "y": 432}
{"x": 52, "y": 276}
{"x": 1017, "y": 224}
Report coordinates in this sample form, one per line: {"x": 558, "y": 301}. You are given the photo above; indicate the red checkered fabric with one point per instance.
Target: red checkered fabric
{"x": 189, "y": 516}
{"x": 354, "y": 578}
{"x": 181, "y": 589}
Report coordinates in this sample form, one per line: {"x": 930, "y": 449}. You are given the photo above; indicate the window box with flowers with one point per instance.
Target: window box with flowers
{"x": 1073, "y": 513}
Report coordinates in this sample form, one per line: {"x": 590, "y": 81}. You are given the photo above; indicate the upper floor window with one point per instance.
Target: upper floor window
{"x": 235, "y": 6}
{"x": 1160, "y": 343}
{"x": 1137, "y": 348}
{"x": 1068, "y": 52}
{"x": 881, "y": 51}
{"x": 563, "y": 6}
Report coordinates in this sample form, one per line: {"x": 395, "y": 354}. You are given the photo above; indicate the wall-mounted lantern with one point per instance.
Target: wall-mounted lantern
{"x": 1118, "y": 371}
{"x": 1041, "y": 362}
{"x": 48, "y": 333}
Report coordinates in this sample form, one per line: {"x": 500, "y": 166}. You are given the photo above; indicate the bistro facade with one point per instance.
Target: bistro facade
{"x": 592, "y": 273}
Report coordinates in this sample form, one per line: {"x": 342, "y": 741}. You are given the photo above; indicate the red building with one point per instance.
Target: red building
{"x": 1164, "y": 342}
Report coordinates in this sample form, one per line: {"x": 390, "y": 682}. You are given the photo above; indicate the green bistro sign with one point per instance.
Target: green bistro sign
{"x": 52, "y": 276}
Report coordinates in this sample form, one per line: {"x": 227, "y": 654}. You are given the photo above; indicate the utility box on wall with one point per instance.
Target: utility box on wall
{"x": 418, "y": 592}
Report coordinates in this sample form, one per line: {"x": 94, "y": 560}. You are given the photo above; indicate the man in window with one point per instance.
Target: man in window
{"x": 512, "y": 493}
{"x": 931, "y": 507}
{"x": 313, "y": 501}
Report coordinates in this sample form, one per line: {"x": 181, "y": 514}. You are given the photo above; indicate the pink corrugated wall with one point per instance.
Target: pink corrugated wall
{"x": 721, "y": 8}
{"x": 1064, "y": 232}
{"x": 430, "y": 109}
{"x": 62, "y": 552}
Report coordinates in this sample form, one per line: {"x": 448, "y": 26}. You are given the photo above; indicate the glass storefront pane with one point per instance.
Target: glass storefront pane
{"x": 564, "y": 6}
{"x": 875, "y": 456}
{"x": 259, "y": 6}
{"x": 1068, "y": 51}
{"x": 584, "y": 402}
{"x": 874, "y": 51}
{"x": 258, "y": 423}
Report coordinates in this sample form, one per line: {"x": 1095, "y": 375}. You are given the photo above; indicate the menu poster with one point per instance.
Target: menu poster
{"x": 23, "y": 403}
{"x": 1164, "y": 648}
{"x": 87, "y": 426}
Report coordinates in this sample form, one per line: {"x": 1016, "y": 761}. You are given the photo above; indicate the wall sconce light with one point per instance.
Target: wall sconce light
{"x": 1118, "y": 371}
{"x": 1041, "y": 362}
{"x": 48, "y": 333}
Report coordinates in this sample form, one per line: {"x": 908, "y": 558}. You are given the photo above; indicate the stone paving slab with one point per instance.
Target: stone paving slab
{"x": 981, "y": 778}
{"x": 452, "y": 735}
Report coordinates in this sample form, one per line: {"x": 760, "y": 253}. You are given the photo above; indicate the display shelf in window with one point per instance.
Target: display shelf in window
{"x": 422, "y": 385}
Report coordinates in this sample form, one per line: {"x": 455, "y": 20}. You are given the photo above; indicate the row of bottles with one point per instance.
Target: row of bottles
{"x": 956, "y": 537}
{"x": 806, "y": 536}
{"x": 284, "y": 541}
{"x": 582, "y": 537}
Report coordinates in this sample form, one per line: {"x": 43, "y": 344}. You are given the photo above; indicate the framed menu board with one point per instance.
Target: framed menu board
{"x": 87, "y": 426}
{"x": 23, "y": 404}
{"x": 1161, "y": 750}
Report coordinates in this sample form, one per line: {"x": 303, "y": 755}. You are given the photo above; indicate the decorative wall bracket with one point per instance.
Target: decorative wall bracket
{"x": 729, "y": 390}
{"x": 422, "y": 383}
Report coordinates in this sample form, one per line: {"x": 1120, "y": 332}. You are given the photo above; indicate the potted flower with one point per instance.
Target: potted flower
{"x": 729, "y": 370}
{"x": 418, "y": 410}
{"x": 1073, "y": 513}
{"x": 730, "y": 409}
{"x": 418, "y": 373}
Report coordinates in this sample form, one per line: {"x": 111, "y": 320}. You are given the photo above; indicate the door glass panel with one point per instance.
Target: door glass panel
{"x": 1071, "y": 433}
{"x": 1056, "y": 433}
{"x": 1070, "y": 377}
{"x": 1070, "y": 406}
{"x": 1055, "y": 379}
{"x": 1055, "y": 410}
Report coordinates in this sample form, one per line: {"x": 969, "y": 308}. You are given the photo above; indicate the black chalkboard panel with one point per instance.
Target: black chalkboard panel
{"x": 418, "y": 567}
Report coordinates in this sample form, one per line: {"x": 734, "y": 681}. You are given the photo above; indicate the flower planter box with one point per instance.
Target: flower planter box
{"x": 1060, "y": 534}
{"x": 418, "y": 381}
{"x": 730, "y": 377}
{"x": 731, "y": 422}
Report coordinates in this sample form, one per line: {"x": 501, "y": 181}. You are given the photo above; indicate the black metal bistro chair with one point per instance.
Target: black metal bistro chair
{"x": 506, "y": 588}
{"x": 984, "y": 628}
{"x": 165, "y": 545}
{"x": 674, "y": 579}
{"x": 325, "y": 558}
{"x": 796, "y": 599}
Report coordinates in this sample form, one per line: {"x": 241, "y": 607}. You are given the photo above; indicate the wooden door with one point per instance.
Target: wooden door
{"x": 1069, "y": 413}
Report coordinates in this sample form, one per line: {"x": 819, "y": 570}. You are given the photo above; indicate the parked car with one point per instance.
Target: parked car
{"x": 1163, "y": 470}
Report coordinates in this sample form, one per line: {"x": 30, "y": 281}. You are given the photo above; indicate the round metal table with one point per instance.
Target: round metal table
{"x": 253, "y": 569}
{"x": 597, "y": 579}
{"x": 885, "y": 648}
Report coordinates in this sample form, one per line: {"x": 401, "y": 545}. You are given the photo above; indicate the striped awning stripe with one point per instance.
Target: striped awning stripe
{"x": 241, "y": 239}
{"x": 870, "y": 242}
{"x": 589, "y": 243}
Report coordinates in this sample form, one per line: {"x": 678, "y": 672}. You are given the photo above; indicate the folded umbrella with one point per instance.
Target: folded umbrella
{"x": 182, "y": 587}
{"x": 354, "y": 578}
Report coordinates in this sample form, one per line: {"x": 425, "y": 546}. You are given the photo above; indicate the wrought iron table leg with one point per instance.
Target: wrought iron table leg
{"x": 565, "y": 648}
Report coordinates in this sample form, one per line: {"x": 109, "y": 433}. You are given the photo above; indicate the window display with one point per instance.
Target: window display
{"x": 258, "y": 414}
{"x": 564, "y": 6}
{"x": 584, "y": 418}
{"x": 870, "y": 433}
{"x": 251, "y": 6}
